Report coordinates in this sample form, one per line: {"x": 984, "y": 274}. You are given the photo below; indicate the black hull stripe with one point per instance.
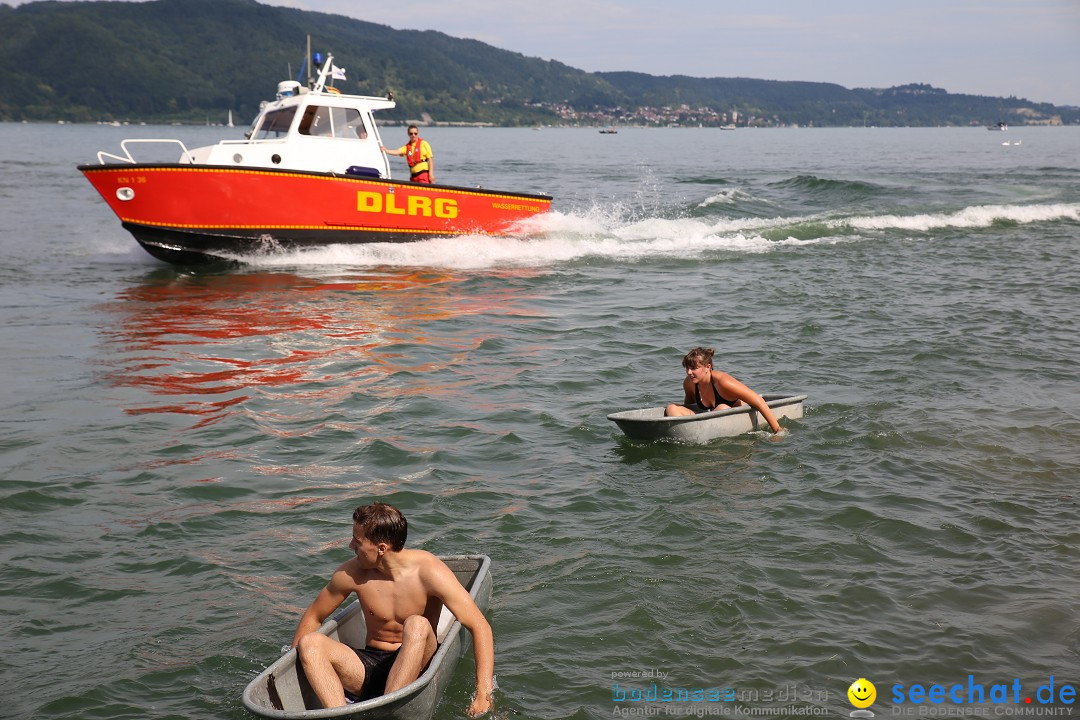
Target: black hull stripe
{"x": 186, "y": 247}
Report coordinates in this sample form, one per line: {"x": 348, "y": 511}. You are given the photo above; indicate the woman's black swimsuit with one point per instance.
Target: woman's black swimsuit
{"x": 716, "y": 393}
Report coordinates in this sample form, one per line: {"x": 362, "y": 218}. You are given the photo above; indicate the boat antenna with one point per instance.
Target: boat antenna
{"x": 308, "y": 60}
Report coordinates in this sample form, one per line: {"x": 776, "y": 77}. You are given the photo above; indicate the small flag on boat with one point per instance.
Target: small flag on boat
{"x": 337, "y": 73}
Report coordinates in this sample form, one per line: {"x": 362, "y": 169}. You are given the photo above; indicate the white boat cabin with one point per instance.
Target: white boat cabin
{"x": 318, "y": 130}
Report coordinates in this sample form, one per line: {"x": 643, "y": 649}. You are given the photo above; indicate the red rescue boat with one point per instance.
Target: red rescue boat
{"x": 310, "y": 172}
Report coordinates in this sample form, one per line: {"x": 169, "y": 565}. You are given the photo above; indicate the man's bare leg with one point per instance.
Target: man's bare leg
{"x": 418, "y": 645}
{"x": 331, "y": 668}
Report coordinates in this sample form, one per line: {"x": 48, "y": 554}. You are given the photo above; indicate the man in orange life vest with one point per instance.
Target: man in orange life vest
{"x": 417, "y": 153}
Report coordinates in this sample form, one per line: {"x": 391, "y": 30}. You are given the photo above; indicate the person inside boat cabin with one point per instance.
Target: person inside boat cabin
{"x": 418, "y": 154}
{"x": 706, "y": 389}
{"x": 402, "y": 593}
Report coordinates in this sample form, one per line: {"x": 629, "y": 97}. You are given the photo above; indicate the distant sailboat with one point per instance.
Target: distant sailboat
{"x": 230, "y": 124}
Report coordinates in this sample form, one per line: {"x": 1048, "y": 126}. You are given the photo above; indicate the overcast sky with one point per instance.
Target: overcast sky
{"x": 1026, "y": 48}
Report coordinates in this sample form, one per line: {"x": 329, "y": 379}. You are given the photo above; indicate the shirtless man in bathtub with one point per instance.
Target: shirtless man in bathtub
{"x": 402, "y": 593}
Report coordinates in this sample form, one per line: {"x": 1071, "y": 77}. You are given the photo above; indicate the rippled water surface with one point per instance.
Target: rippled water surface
{"x": 181, "y": 449}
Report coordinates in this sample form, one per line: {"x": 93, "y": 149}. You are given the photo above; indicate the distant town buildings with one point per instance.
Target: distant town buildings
{"x": 687, "y": 116}
{"x": 656, "y": 116}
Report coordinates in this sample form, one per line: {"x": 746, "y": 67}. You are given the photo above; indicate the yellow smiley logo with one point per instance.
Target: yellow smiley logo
{"x": 862, "y": 693}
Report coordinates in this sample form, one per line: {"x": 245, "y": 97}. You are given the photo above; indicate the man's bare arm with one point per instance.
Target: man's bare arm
{"x": 327, "y": 601}
{"x": 442, "y": 583}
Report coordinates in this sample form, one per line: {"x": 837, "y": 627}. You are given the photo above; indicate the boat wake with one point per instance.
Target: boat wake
{"x": 972, "y": 217}
{"x": 558, "y": 238}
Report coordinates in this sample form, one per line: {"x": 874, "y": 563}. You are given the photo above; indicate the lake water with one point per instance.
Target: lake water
{"x": 181, "y": 449}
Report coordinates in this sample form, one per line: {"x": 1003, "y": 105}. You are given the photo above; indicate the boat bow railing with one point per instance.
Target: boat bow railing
{"x": 127, "y": 157}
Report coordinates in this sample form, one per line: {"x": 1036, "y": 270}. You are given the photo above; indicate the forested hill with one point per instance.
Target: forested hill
{"x": 194, "y": 60}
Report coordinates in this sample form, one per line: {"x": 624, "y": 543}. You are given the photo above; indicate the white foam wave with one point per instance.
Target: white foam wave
{"x": 726, "y": 197}
{"x": 557, "y": 238}
{"x": 482, "y": 252}
{"x": 552, "y": 239}
{"x": 972, "y": 217}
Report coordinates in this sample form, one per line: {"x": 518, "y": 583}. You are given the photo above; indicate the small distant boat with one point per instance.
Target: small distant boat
{"x": 282, "y": 691}
{"x": 1000, "y": 126}
{"x": 650, "y": 423}
{"x": 729, "y": 126}
{"x": 609, "y": 131}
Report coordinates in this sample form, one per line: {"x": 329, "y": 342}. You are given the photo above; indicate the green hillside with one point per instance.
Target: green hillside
{"x": 190, "y": 60}
{"x": 187, "y": 59}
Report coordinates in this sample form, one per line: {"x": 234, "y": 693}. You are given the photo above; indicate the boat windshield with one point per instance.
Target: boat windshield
{"x": 336, "y": 122}
{"x": 276, "y": 124}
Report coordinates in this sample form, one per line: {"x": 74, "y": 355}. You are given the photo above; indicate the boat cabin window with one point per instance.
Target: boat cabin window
{"x": 337, "y": 122}
{"x": 353, "y": 123}
{"x": 276, "y": 124}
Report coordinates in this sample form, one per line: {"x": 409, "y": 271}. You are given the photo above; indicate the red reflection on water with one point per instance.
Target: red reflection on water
{"x": 191, "y": 336}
